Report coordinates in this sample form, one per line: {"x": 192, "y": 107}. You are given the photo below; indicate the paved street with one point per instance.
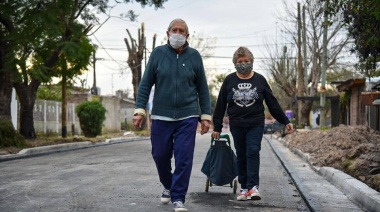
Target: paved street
{"x": 122, "y": 177}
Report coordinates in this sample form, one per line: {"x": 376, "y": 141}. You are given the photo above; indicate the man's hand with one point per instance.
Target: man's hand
{"x": 215, "y": 135}
{"x": 205, "y": 126}
{"x": 137, "y": 121}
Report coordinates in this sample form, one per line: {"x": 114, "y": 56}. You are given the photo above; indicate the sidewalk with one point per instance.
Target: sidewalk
{"x": 325, "y": 188}
{"x": 322, "y": 188}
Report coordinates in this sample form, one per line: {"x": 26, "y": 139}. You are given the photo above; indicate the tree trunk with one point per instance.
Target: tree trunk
{"x": 135, "y": 57}
{"x": 5, "y": 95}
{"x": 305, "y": 112}
{"x": 27, "y": 125}
{"x": 136, "y": 78}
{"x": 301, "y": 77}
{"x": 27, "y": 97}
{"x": 64, "y": 102}
{"x": 5, "y": 82}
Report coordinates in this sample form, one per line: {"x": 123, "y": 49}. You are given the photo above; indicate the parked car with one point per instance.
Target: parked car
{"x": 273, "y": 126}
{"x": 277, "y": 127}
{"x": 268, "y": 125}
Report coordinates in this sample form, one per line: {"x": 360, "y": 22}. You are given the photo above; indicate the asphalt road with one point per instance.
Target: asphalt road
{"x": 122, "y": 177}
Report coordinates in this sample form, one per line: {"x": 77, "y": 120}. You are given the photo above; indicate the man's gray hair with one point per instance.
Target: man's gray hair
{"x": 241, "y": 52}
{"x": 178, "y": 20}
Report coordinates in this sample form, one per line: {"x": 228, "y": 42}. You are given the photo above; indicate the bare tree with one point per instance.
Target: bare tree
{"x": 135, "y": 56}
{"x": 282, "y": 66}
{"x": 337, "y": 42}
{"x": 205, "y": 45}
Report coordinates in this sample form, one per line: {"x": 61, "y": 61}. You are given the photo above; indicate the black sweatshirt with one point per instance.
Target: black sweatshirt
{"x": 243, "y": 99}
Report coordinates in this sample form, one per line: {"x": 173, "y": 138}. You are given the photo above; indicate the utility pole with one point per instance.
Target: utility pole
{"x": 300, "y": 83}
{"x": 304, "y": 49}
{"x": 322, "y": 89}
{"x": 112, "y": 82}
{"x": 154, "y": 41}
{"x": 94, "y": 90}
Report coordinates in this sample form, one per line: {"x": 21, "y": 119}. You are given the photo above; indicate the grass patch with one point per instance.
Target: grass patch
{"x": 9, "y": 137}
{"x": 142, "y": 132}
{"x": 349, "y": 167}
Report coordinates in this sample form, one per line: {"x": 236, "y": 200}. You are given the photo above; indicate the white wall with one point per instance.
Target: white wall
{"x": 14, "y": 108}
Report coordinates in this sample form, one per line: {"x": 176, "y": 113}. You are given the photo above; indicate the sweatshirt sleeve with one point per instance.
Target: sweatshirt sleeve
{"x": 220, "y": 108}
{"x": 273, "y": 105}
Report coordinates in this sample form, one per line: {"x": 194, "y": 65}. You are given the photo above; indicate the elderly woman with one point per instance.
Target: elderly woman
{"x": 242, "y": 94}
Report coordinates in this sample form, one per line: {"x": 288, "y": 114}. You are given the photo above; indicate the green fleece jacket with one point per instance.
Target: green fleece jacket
{"x": 181, "y": 88}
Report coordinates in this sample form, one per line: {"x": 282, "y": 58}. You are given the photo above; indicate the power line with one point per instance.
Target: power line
{"x": 107, "y": 51}
{"x": 250, "y": 45}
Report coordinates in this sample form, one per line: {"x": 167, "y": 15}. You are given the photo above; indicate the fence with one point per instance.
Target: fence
{"x": 48, "y": 117}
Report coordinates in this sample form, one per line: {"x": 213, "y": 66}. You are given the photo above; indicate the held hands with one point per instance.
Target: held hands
{"x": 137, "y": 121}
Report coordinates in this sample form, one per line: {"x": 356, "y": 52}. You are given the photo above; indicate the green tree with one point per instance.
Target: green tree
{"x": 73, "y": 59}
{"x": 36, "y": 32}
{"x": 362, "y": 19}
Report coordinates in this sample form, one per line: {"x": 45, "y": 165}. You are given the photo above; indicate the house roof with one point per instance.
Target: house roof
{"x": 350, "y": 84}
{"x": 131, "y": 101}
{"x": 376, "y": 86}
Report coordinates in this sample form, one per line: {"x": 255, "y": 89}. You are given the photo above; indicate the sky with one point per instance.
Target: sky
{"x": 230, "y": 23}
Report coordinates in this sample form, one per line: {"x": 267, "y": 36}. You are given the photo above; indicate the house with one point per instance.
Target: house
{"x": 359, "y": 107}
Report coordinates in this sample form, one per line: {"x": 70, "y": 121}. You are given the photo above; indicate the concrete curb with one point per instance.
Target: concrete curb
{"x": 36, "y": 151}
{"x": 356, "y": 190}
{"x": 52, "y": 148}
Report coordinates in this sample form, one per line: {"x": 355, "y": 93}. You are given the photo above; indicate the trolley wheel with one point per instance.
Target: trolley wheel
{"x": 235, "y": 186}
{"x": 207, "y": 184}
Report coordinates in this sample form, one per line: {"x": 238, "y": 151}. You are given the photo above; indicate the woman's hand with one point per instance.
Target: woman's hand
{"x": 215, "y": 135}
{"x": 289, "y": 128}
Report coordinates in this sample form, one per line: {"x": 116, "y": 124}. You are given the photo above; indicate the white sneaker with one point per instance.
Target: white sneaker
{"x": 165, "y": 197}
{"x": 178, "y": 206}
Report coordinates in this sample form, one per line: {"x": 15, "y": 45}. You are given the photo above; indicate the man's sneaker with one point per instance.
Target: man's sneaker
{"x": 178, "y": 206}
{"x": 243, "y": 195}
{"x": 165, "y": 197}
{"x": 254, "y": 194}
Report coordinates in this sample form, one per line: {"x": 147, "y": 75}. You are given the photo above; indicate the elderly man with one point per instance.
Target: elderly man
{"x": 176, "y": 70}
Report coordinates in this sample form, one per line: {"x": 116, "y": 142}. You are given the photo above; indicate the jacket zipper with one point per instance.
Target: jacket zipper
{"x": 176, "y": 90}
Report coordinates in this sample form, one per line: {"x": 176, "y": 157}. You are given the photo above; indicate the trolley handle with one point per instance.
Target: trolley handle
{"x": 225, "y": 136}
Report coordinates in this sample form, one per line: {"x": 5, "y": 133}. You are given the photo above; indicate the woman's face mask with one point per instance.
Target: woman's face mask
{"x": 177, "y": 40}
{"x": 244, "y": 68}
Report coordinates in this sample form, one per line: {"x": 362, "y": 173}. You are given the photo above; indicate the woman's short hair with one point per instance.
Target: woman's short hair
{"x": 178, "y": 20}
{"x": 241, "y": 52}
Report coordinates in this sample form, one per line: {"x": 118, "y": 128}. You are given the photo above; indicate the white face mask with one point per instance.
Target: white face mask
{"x": 177, "y": 40}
